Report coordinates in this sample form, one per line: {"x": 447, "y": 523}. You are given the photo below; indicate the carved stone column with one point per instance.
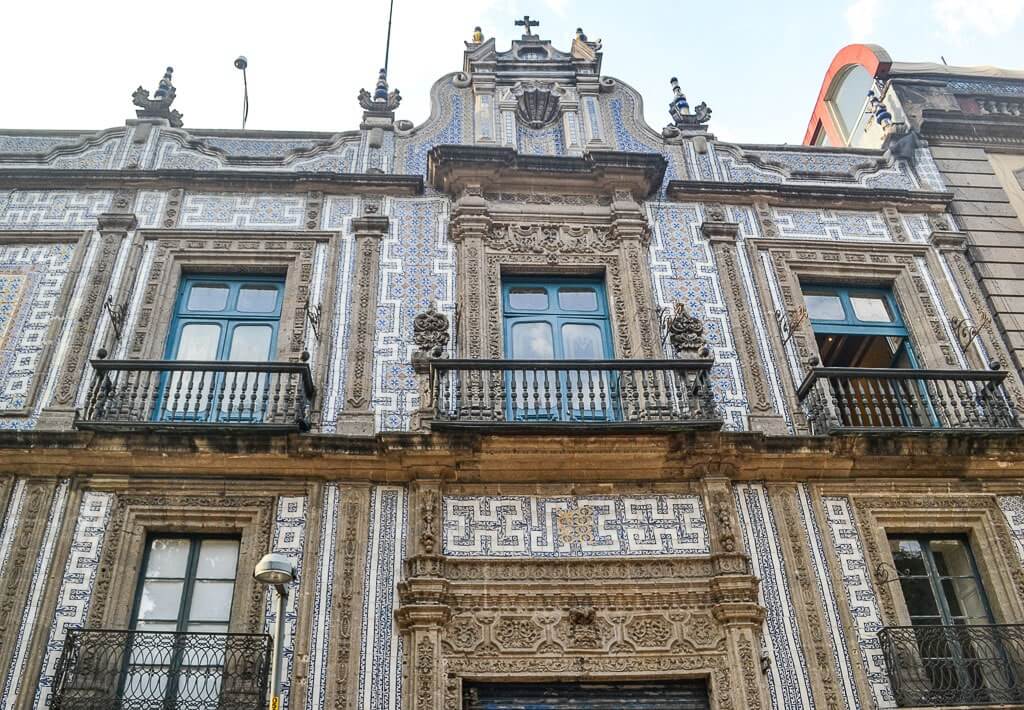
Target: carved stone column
{"x": 629, "y": 226}
{"x": 722, "y": 236}
{"x": 113, "y": 228}
{"x": 470, "y": 226}
{"x": 422, "y": 611}
{"x": 356, "y": 416}
{"x": 734, "y": 588}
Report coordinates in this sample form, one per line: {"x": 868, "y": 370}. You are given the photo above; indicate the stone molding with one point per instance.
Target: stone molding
{"x": 356, "y": 417}
{"x": 795, "y": 195}
{"x": 136, "y": 515}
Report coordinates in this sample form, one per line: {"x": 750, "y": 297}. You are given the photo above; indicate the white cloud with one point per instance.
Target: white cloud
{"x": 861, "y": 18}
{"x": 989, "y": 17}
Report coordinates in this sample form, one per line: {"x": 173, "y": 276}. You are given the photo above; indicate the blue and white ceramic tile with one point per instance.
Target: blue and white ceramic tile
{"x": 52, "y": 209}
{"x": 289, "y": 539}
{"x": 574, "y": 526}
{"x": 323, "y": 599}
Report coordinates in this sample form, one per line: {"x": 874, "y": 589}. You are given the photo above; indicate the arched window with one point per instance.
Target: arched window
{"x": 848, "y": 96}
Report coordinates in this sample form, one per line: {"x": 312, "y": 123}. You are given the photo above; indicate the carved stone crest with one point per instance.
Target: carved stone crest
{"x": 685, "y": 333}
{"x": 430, "y": 332}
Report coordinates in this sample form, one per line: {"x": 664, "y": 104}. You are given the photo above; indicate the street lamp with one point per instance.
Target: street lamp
{"x": 277, "y": 570}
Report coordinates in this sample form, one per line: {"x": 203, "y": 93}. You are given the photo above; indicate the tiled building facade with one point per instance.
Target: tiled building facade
{"x": 757, "y": 412}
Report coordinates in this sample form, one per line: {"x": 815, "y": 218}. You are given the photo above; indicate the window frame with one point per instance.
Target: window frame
{"x": 555, "y": 315}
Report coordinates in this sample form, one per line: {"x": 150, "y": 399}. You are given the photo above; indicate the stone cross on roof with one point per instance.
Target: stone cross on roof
{"x": 526, "y": 23}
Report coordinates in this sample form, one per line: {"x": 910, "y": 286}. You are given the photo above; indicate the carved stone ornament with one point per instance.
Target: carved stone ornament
{"x": 536, "y": 103}
{"x": 683, "y": 119}
{"x": 430, "y": 332}
{"x": 160, "y": 105}
{"x": 685, "y": 333}
{"x": 551, "y": 239}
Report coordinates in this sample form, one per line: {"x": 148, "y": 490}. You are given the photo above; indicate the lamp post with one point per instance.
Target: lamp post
{"x": 277, "y": 570}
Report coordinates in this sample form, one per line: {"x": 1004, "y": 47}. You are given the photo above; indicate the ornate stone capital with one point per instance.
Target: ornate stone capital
{"x": 370, "y": 226}
{"x": 945, "y": 240}
{"x": 116, "y": 222}
{"x": 720, "y": 232}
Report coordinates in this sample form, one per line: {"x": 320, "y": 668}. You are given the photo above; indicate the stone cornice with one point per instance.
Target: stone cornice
{"x": 835, "y": 196}
{"x": 992, "y": 459}
{"x": 943, "y": 126}
{"x": 453, "y": 168}
{"x": 254, "y": 180}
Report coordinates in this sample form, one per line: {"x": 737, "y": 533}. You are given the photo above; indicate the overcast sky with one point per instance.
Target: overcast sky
{"x": 74, "y": 64}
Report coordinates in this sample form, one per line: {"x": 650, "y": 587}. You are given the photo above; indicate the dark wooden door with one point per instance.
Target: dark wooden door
{"x": 669, "y": 695}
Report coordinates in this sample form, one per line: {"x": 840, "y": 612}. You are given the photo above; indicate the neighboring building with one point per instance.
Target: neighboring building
{"x": 545, "y": 405}
{"x": 972, "y": 121}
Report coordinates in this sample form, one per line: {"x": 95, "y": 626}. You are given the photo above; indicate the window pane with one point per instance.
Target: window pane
{"x": 582, "y": 342}
{"x": 211, "y": 601}
{"x": 527, "y": 299}
{"x": 872, "y": 309}
{"x": 577, "y": 299}
{"x": 198, "y": 341}
{"x": 951, "y": 558}
{"x": 161, "y": 599}
{"x": 157, "y": 625}
{"x": 908, "y": 557}
{"x": 217, "y": 559}
{"x": 168, "y": 557}
{"x": 917, "y": 593}
{"x": 207, "y": 297}
{"x": 851, "y": 96}
{"x": 963, "y": 596}
{"x": 532, "y": 341}
{"x": 251, "y": 343}
{"x": 253, "y": 298}
{"x": 822, "y": 306}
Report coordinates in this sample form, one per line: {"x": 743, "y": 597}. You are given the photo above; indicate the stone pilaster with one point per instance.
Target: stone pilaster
{"x": 113, "y": 229}
{"x": 356, "y": 417}
{"x": 763, "y": 416}
{"x": 422, "y": 611}
{"x": 629, "y": 226}
{"x": 470, "y": 226}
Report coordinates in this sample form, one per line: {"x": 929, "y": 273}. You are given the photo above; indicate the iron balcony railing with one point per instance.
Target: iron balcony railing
{"x": 183, "y": 393}
{"x": 669, "y": 393}
{"x": 955, "y": 665}
{"x": 125, "y": 670}
{"x": 877, "y": 398}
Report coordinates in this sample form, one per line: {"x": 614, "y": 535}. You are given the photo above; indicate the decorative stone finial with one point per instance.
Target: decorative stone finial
{"x": 478, "y": 35}
{"x": 160, "y": 105}
{"x": 430, "y": 332}
{"x": 882, "y": 116}
{"x": 679, "y": 110}
{"x": 686, "y": 334}
{"x": 381, "y": 101}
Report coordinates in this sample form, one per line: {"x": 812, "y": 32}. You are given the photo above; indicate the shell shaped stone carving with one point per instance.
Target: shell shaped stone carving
{"x": 537, "y": 104}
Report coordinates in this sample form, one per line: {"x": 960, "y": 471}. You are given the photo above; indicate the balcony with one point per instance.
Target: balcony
{"x": 101, "y": 669}
{"x": 864, "y": 399}
{"x": 574, "y": 394}
{"x": 955, "y": 665}
{"x": 271, "y": 396}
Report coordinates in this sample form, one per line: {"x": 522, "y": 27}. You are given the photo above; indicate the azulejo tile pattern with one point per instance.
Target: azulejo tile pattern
{"x": 546, "y": 141}
{"x": 37, "y": 145}
{"x": 836, "y": 225}
{"x": 339, "y": 211}
{"x": 14, "y": 683}
{"x": 447, "y": 130}
{"x": 829, "y": 601}
{"x": 998, "y": 88}
{"x": 804, "y": 166}
{"x": 31, "y": 279}
{"x": 417, "y": 268}
{"x": 788, "y": 680}
{"x": 380, "y": 670}
{"x": 235, "y": 211}
{"x": 860, "y": 594}
{"x": 682, "y": 271}
{"x": 323, "y": 598}
{"x": 289, "y": 539}
{"x": 574, "y": 526}
{"x": 1013, "y": 509}
{"x": 76, "y": 585}
{"x": 52, "y": 209}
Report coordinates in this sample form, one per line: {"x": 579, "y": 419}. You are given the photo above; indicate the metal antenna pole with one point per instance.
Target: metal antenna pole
{"x": 243, "y": 63}
{"x": 387, "y": 45}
